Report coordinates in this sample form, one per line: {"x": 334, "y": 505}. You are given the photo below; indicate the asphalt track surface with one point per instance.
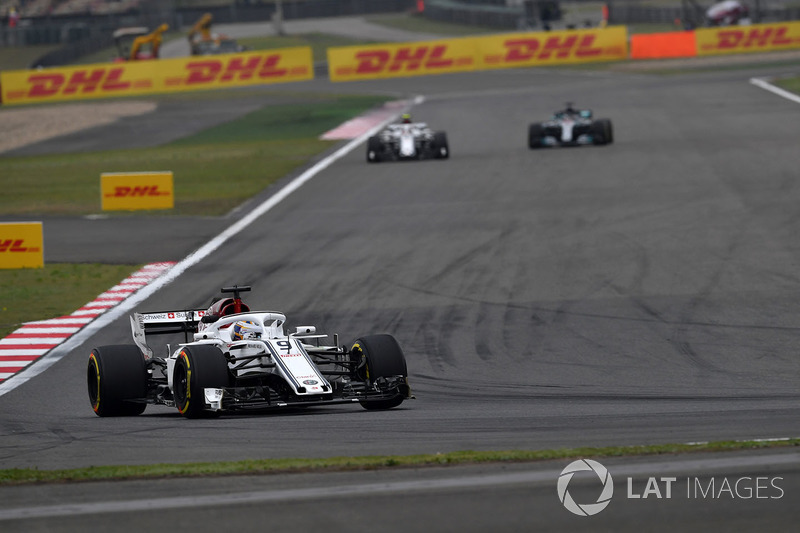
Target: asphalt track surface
{"x": 643, "y": 292}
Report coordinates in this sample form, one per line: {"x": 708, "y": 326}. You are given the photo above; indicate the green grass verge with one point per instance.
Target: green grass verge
{"x": 55, "y": 290}
{"x": 668, "y": 67}
{"x": 16, "y": 476}
{"x": 215, "y": 170}
{"x": 697, "y": 65}
{"x": 790, "y": 84}
{"x": 21, "y": 58}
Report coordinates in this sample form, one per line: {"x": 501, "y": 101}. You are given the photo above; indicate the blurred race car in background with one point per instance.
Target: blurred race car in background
{"x": 570, "y": 127}
{"x": 727, "y": 13}
{"x": 407, "y": 140}
{"x": 240, "y": 360}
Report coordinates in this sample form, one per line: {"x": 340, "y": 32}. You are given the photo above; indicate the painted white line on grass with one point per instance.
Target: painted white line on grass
{"x": 102, "y": 320}
{"x": 767, "y": 86}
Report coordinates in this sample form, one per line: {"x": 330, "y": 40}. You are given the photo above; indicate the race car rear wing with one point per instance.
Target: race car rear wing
{"x": 163, "y": 323}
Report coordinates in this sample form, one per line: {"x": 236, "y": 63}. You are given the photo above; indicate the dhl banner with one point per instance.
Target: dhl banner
{"x": 755, "y": 38}
{"x": 21, "y": 245}
{"x": 156, "y": 76}
{"x": 555, "y": 47}
{"x": 350, "y": 63}
{"x": 136, "y": 190}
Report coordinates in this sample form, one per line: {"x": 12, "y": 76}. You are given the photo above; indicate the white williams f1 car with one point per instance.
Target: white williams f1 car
{"x": 239, "y": 360}
{"x": 570, "y": 127}
{"x": 407, "y": 140}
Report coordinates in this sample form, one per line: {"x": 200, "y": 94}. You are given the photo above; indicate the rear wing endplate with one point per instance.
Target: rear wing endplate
{"x": 163, "y": 323}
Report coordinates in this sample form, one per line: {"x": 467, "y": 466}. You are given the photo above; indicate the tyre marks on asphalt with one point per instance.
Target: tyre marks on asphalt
{"x": 33, "y": 340}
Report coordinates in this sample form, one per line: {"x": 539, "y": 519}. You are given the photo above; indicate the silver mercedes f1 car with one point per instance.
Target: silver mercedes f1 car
{"x": 570, "y": 127}
{"x": 407, "y": 140}
{"x": 235, "y": 359}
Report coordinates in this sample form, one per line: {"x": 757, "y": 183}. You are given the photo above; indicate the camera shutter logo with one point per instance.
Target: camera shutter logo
{"x": 586, "y": 509}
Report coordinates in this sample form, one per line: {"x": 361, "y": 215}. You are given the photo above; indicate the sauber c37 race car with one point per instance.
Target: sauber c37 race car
{"x": 408, "y": 140}
{"x": 570, "y": 127}
{"x": 238, "y": 360}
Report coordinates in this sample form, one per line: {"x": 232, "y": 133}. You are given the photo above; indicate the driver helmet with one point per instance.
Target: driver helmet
{"x": 245, "y": 329}
{"x": 406, "y": 118}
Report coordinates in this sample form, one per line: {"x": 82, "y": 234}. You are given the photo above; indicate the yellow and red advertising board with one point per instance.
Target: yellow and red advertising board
{"x": 136, "y": 190}
{"x": 551, "y": 48}
{"x": 742, "y": 39}
{"x": 350, "y": 63}
{"x": 21, "y": 245}
{"x": 156, "y": 76}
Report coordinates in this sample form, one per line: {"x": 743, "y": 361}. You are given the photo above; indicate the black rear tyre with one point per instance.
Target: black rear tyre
{"x": 374, "y": 149}
{"x": 535, "y": 136}
{"x": 198, "y": 367}
{"x": 610, "y": 132}
{"x": 116, "y": 377}
{"x": 602, "y": 131}
{"x": 441, "y": 149}
{"x": 380, "y": 356}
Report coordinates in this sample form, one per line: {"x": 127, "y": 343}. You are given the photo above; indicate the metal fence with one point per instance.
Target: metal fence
{"x": 687, "y": 15}
{"x": 297, "y": 9}
{"x": 500, "y": 14}
{"x": 83, "y": 34}
{"x": 475, "y": 13}
{"x": 526, "y": 14}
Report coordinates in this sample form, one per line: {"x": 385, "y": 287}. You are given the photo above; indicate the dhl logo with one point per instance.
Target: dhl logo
{"x": 753, "y": 38}
{"x": 408, "y": 58}
{"x": 236, "y": 69}
{"x": 400, "y": 61}
{"x": 553, "y": 47}
{"x": 17, "y": 246}
{"x": 81, "y": 81}
{"x": 100, "y": 80}
{"x": 130, "y": 192}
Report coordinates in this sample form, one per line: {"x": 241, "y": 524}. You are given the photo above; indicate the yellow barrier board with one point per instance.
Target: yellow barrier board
{"x": 21, "y": 245}
{"x": 350, "y": 63}
{"x": 156, "y": 76}
{"x": 136, "y": 190}
{"x": 556, "y": 47}
{"x": 742, "y": 39}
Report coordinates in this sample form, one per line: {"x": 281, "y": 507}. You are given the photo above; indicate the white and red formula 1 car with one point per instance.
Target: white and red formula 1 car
{"x": 238, "y": 360}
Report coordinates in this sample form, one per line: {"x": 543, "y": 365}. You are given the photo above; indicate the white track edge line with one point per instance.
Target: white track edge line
{"x": 767, "y": 86}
